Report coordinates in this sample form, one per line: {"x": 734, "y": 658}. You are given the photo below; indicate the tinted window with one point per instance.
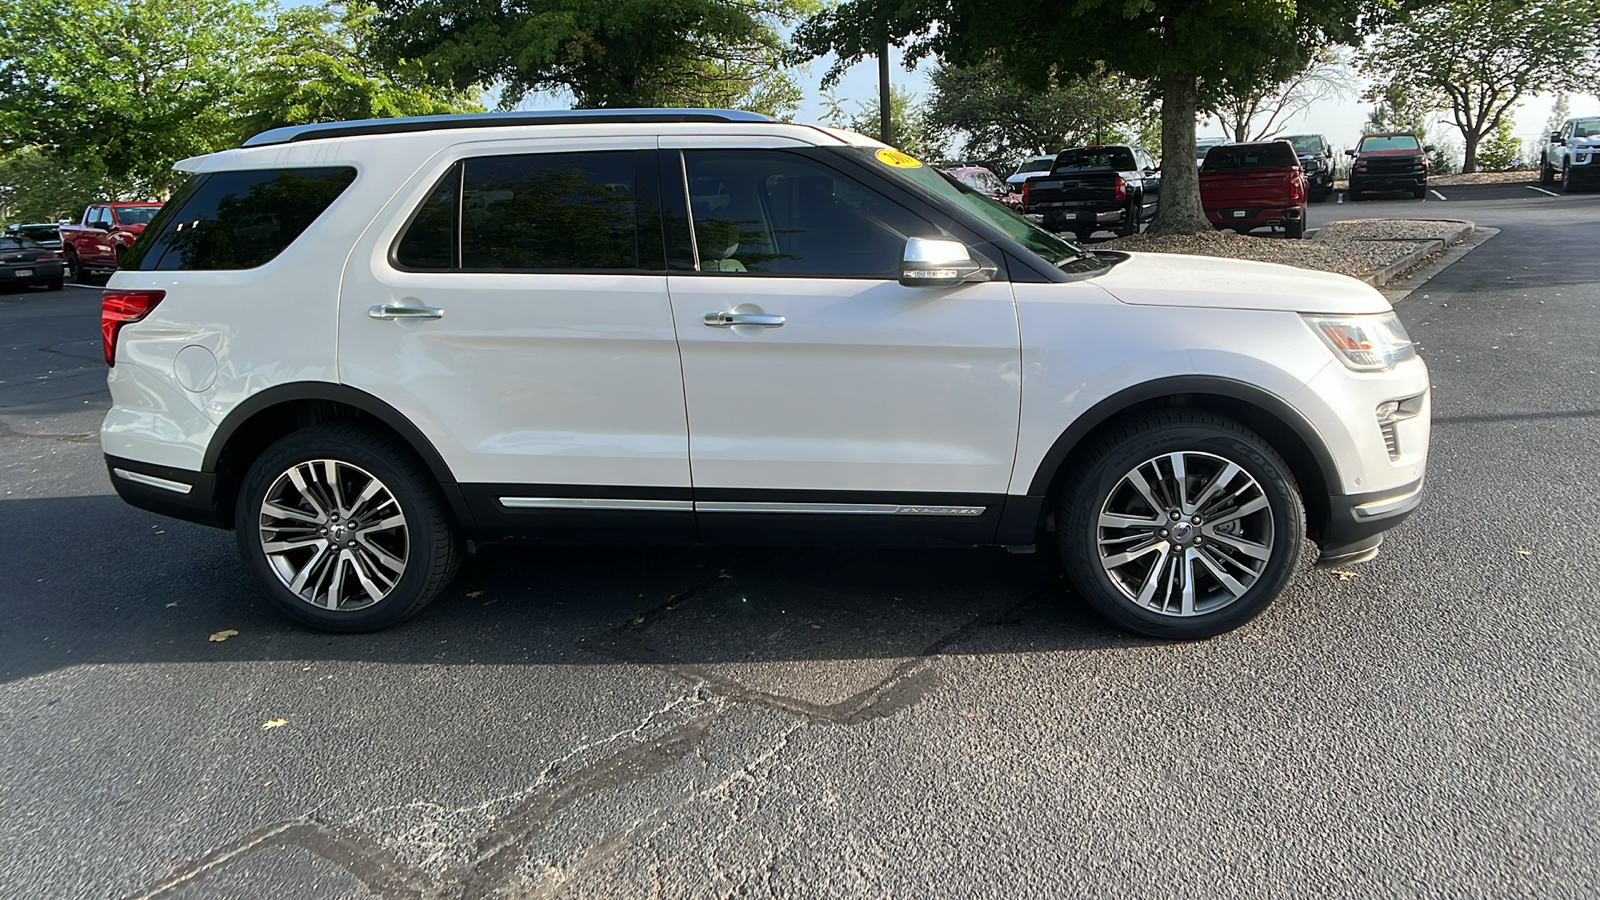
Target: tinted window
{"x": 1276, "y": 155}
{"x": 1306, "y": 143}
{"x": 1038, "y": 165}
{"x": 236, "y": 220}
{"x": 136, "y": 215}
{"x": 40, "y": 232}
{"x": 1120, "y": 158}
{"x": 779, "y": 212}
{"x": 1396, "y": 142}
{"x": 530, "y": 212}
{"x": 11, "y": 244}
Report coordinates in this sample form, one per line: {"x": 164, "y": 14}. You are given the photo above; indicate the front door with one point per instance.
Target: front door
{"x": 515, "y": 308}
{"x": 825, "y": 400}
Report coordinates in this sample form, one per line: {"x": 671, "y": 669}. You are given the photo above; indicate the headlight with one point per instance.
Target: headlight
{"x": 1365, "y": 343}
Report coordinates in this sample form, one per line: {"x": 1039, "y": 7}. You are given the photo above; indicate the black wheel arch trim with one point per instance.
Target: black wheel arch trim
{"x": 1127, "y": 398}
{"x": 349, "y": 396}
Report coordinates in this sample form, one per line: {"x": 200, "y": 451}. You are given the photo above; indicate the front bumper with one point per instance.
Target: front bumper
{"x": 1397, "y": 182}
{"x": 1357, "y": 522}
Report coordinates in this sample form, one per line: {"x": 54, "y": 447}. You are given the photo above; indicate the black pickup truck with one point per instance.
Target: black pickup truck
{"x": 1089, "y": 188}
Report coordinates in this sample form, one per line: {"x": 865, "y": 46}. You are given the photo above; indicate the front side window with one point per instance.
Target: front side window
{"x": 779, "y": 212}
{"x": 236, "y": 220}
{"x": 567, "y": 212}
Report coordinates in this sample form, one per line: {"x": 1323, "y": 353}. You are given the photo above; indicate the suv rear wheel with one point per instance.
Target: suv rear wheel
{"x": 1182, "y": 524}
{"x": 345, "y": 531}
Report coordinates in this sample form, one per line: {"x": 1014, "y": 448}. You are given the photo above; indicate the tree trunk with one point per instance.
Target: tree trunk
{"x": 1178, "y": 211}
{"x": 1469, "y": 153}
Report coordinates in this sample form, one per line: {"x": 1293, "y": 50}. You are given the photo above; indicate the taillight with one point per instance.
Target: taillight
{"x": 1121, "y": 189}
{"x": 118, "y": 308}
{"x": 1299, "y": 187}
{"x": 1026, "y": 199}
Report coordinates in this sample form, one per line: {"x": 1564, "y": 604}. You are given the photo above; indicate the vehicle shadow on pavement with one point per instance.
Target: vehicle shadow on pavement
{"x": 90, "y": 580}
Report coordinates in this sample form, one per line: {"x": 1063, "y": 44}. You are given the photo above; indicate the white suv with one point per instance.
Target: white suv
{"x": 360, "y": 345}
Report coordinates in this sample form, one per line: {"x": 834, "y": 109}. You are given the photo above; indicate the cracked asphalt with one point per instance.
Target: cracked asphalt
{"x": 831, "y": 723}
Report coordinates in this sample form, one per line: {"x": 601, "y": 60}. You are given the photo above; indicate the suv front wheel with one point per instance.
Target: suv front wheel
{"x": 1182, "y": 524}
{"x": 345, "y": 531}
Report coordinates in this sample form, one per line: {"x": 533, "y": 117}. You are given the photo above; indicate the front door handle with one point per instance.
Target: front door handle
{"x": 405, "y": 312}
{"x": 729, "y": 319}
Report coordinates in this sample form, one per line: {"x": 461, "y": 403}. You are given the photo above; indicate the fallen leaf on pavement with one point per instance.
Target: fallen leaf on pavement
{"x": 274, "y": 723}
{"x": 221, "y": 636}
{"x": 473, "y": 595}
{"x": 1524, "y": 552}
{"x": 1346, "y": 576}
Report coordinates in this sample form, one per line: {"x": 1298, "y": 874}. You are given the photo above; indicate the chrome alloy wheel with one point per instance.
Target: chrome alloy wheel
{"x": 1185, "y": 534}
{"x": 334, "y": 534}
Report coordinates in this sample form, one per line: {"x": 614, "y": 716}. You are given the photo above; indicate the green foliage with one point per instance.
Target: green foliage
{"x": 1481, "y": 58}
{"x": 1501, "y": 151}
{"x": 36, "y": 186}
{"x": 1186, "y": 49}
{"x": 607, "y": 53}
{"x": 133, "y": 84}
{"x": 1399, "y": 107}
{"x": 322, "y": 70}
{"x": 908, "y": 123}
{"x": 1001, "y": 119}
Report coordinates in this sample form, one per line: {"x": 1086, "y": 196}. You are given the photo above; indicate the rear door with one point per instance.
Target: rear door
{"x": 512, "y": 302}
{"x": 848, "y": 405}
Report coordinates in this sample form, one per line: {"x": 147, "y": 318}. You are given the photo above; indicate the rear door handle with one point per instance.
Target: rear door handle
{"x": 729, "y": 319}
{"x": 405, "y": 312}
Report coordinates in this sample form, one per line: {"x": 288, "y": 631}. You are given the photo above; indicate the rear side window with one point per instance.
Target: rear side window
{"x": 565, "y": 212}
{"x": 1276, "y": 155}
{"x": 236, "y": 220}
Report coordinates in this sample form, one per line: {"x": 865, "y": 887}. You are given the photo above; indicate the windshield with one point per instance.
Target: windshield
{"x": 1095, "y": 158}
{"x": 1586, "y": 128}
{"x": 1305, "y": 143}
{"x": 136, "y": 215}
{"x": 1392, "y": 142}
{"x": 1038, "y": 165}
{"x": 1042, "y": 242}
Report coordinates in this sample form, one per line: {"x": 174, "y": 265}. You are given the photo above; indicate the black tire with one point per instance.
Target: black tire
{"x": 1567, "y": 187}
{"x": 1295, "y": 228}
{"x": 1130, "y": 220}
{"x": 72, "y": 271}
{"x": 426, "y": 543}
{"x": 1208, "y": 441}
{"x": 53, "y": 284}
{"x": 1547, "y": 173}
{"x": 1420, "y": 192}
{"x": 1352, "y": 195}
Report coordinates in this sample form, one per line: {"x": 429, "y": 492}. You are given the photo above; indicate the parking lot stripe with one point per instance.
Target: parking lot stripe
{"x": 1541, "y": 190}
{"x": 1439, "y": 195}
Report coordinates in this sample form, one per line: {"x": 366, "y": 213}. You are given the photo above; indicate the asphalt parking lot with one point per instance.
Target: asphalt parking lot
{"x": 834, "y": 723}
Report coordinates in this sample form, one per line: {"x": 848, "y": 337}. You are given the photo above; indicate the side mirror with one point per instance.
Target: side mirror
{"x": 940, "y": 262}
{"x": 1555, "y": 138}
{"x": 1350, "y": 153}
{"x": 1428, "y": 148}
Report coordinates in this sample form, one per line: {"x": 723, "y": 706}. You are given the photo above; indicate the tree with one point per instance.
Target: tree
{"x": 1501, "y": 151}
{"x": 607, "y": 53}
{"x": 1398, "y": 108}
{"x": 322, "y": 70}
{"x": 1255, "y": 112}
{"x": 908, "y": 124}
{"x": 132, "y": 84}
{"x": 1182, "y": 47}
{"x": 38, "y": 187}
{"x": 1002, "y": 119}
{"x": 1483, "y": 57}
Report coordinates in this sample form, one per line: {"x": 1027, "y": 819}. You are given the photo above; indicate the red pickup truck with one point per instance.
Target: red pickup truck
{"x": 1246, "y": 186}
{"x": 95, "y": 245}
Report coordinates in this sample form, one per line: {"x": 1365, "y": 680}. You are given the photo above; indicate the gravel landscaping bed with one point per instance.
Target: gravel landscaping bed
{"x": 1358, "y": 248}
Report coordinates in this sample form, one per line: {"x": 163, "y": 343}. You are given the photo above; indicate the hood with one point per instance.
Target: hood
{"x": 1169, "y": 279}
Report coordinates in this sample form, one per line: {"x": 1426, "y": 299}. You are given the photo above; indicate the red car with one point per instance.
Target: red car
{"x": 95, "y": 245}
{"x": 1247, "y": 186}
{"x": 986, "y": 183}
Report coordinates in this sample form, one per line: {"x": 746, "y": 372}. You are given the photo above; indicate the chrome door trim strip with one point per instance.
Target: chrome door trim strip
{"x": 856, "y": 509}
{"x": 597, "y": 503}
{"x": 177, "y": 487}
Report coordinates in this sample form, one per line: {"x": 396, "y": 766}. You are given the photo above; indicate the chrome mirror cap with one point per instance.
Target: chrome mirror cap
{"x": 940, "y": 262}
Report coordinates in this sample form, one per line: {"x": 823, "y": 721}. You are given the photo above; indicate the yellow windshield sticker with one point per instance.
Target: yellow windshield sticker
{"x": 897, "y": 159}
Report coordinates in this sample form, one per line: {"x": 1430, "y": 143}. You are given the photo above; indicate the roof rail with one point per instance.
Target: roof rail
{"x": 322, "y": 130}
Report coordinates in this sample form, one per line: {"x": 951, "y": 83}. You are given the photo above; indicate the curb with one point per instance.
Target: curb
{"x": 1415, "y": 258}
{"x": 1401, "y": 288}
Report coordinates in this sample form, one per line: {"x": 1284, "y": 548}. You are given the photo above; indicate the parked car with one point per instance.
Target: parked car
{"x": 1204, "y": 146}
{"x": 1255, "y": 185}
{"x": 1032, "y": 166}
{"x": 1392, "y": 161}
{"x": 45, "y": 234}
{"x": 1316, "y": 160}
{"x": 26, "y": 263}
{"x": 986, "y": 183}
{"x": 1090, "y": 188}
{"x": 1574, "y": 151}
{"x": 608, "y": 326}
{"x": 96, "y": 244}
